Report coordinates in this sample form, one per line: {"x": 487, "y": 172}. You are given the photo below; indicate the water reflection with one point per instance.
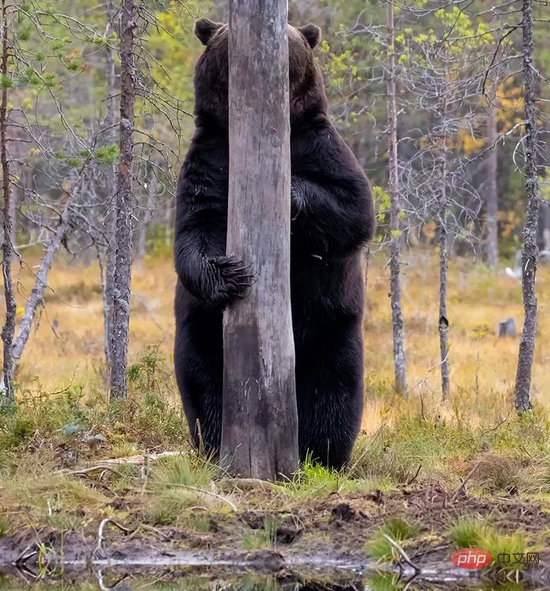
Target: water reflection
{"x": 174, "y": 580}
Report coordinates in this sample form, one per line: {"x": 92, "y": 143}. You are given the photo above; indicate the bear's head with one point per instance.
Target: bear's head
{"x": 306, "y": 89}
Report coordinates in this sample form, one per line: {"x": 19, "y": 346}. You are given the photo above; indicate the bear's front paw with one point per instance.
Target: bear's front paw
{"x": 228, "y": 279}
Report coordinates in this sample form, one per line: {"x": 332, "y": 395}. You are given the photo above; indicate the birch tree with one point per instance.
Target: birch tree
{"x": 124, "y": 203}
{"x": 8, "y": 330}
{"x": 522, "y": 395}
{"x": 399, "y": 361}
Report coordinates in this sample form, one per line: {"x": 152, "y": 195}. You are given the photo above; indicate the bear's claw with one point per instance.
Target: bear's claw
{"x": 229, "y": 278}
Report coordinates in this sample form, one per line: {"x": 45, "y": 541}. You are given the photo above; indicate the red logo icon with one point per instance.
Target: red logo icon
{"x": 471, "y": 558}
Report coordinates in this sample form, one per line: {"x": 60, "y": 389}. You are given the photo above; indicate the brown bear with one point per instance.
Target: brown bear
{"x": 332, "y": 219}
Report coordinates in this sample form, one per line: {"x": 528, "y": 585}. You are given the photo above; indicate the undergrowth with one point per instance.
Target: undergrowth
{"x": 77, "y": 418}
{"x": 469, "y": 532}
{"x": 47, "y": 438}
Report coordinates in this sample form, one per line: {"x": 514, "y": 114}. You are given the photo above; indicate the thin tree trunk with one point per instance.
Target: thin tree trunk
{"x": 259, "y": 417}
{"x": 8, "y": 330}
{"x": 124, "y": 199}
{"x": 400, "y": 366}
{"x": 41, "y": 282}
{"x": 443, "y": 257}
{"x": 530, "y": 246}
{"x": 110, "y": 175}
{"x": 492, "y": 188}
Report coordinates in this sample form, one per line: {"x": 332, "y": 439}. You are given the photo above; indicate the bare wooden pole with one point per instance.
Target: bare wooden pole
{"x": 8, "y": 330}
{"x": 124, "y": 202}
{"x": 530, "y": 246}
{"x": 259, "y": 422}
{"x": 399, "y": 360}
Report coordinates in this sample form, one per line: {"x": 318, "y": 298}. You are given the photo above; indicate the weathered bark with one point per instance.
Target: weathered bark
{"x": 124, "y": 199}
{"x": 110, "y": 176}
{"x": 492, "y": 187}
{"x": 259, "y": 424}
{"x": 530, "y": 246}
{"x": 399, "y": 361}
{"x": 443, "y": 256}
{"x": 8, "y": 330}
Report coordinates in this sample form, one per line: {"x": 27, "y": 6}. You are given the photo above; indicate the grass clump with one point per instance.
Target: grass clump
{"x": 178, "y": 484}
{"x": 313, "y": 480}
{"x": 265, "y": 537}
{"x": 400, "y": 531}
{"x": 468, "y": 532}
{"x": 35, "y": 491}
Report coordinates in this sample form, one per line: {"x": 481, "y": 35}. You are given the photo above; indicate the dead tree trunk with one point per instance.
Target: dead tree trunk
{"x": 492, "y": 187}
{"x": 530, "y": 246}
{"x": 259, "y": 418}
{"x": 443, "y": 256}
{"x": 399, "y": 361}
{"x": 8, "y": 330}
{"x": 124, "y": 199}
{"x": 110, "y": 176}
{"x": 41, "y": 281}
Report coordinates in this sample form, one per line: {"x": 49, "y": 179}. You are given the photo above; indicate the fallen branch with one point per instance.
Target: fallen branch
{"x": 29, "y": 551}
{"x": 86, "y": 471}
{"x": 402, "y": 553}
{"x": 98, "y": 552}
{"x": 415, "y": 476}
{"x": 464, "y": 482}
{"x": 251, "y": 484}
{"x": 131, "y": 460}
{"x": 205, "y": 492}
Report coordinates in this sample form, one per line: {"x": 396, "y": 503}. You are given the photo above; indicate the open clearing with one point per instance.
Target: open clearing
{"x": 432, "y": 476}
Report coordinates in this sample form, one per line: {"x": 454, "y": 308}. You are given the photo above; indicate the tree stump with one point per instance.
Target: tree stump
{"x": 507, "y": 328}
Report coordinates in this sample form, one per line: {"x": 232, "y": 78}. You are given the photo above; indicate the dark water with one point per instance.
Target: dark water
{"x": 185, "y": 579}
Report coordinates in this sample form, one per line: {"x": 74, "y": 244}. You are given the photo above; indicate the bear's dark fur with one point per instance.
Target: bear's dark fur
{"x": 332, "y": 219}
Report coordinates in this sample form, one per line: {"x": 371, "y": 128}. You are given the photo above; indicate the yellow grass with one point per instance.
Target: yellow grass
{"x": 482, "y": 366}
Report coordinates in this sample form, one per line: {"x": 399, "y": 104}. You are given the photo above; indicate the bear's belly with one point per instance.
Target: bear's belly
{"x": 327, "y": 289}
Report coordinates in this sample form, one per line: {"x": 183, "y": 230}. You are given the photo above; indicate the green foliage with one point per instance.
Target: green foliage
{"x": 72, "y": 417}
{"x": 468, "y": 532}
{"x": 399, "y": 530}
{"x": 108, "y": 154}
{"x": 6, "y": 81}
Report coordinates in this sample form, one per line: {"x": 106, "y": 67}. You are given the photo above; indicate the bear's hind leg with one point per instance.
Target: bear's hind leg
{"x": 329, "y": 386}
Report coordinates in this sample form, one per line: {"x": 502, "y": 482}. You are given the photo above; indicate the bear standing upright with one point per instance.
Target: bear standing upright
{"x": 332, "y": 219}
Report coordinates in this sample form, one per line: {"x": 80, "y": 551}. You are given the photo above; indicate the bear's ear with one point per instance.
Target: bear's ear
{"x": 312, "y": 33}
{"x": 205, "y": 29}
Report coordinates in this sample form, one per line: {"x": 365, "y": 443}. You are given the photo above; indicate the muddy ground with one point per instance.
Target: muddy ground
{"x": 322, "y": 541}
